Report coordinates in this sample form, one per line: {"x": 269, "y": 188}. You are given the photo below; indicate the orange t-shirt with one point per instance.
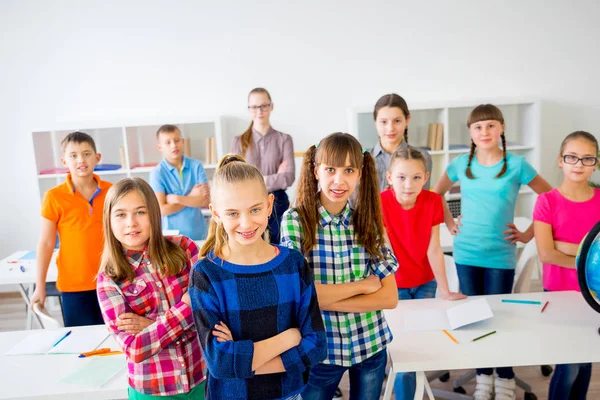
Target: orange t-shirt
{"x": 79, "y": 226}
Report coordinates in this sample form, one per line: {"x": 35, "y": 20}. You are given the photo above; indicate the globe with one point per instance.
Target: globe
{"x": 588, "y": 267}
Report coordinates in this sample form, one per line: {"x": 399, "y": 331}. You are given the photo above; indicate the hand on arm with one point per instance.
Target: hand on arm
{"x": 332, "y": 293}
{"x": 165, "y": 207}
{"x": 443, "y": 185}
{"x": 545, "y": 245}
{"x": 436, "y": 260}
{"x": 384, "y": 298}
{"x": 44, "y": 252}
{"x": 199, "y": 196}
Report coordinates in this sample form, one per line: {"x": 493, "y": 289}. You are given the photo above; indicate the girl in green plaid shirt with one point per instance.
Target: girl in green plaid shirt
{"x": 353, "y": 269}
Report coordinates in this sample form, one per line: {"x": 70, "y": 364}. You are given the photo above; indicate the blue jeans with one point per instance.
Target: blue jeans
{"x": 366, "y": 379}
{"x": 81, "y": 308}
{"x": 477, "y": 281}
{"x": 570, "y": 381}
{"x": 280, "y": 204}
{"x": 406, "y": 382}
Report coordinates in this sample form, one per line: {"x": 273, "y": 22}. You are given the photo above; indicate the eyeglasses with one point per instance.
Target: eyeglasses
{"x": 263, "y": 107}
{"x": 585, "y": 161}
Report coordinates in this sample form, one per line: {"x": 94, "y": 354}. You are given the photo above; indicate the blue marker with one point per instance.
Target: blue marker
{"x": 22, "y": 268}
{"x": 521, "y": 301}
{"x": 62, "y": 338}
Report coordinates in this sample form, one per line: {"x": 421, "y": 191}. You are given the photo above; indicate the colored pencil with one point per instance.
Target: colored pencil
{"x": 482, "y": 336}
{"x": 545, "y": 305}
{"x": 450, "y": 336}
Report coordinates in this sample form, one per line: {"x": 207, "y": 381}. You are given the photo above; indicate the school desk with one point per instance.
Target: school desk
{"x": 39, "y": 376}
{"x": 12, "y": 274}
{"x": 566, "y": 332}
{"x": 447, "y": 241}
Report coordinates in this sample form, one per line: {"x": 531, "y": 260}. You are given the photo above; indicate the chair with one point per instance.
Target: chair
{"x": 45, "y": 319}
{"x": 528, "y": 263}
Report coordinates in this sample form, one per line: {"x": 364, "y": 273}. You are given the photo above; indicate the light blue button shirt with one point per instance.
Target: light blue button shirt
{"x": 165, "y": 179}
{"x": 487, "y": 205}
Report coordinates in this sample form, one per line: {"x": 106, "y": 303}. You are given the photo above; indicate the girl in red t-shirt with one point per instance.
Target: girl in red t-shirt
{"x": 412, "y": 218}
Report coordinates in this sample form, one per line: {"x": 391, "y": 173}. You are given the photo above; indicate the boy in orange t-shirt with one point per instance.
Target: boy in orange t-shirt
{"x": 74, "y": 210}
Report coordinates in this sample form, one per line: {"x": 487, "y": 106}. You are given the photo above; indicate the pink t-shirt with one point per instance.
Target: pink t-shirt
{"x": 570, "y": 222}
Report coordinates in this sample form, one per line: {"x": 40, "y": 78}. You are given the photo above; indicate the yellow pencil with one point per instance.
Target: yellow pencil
{"x": 450, "y": 336}
{"x": 112, "y": 353}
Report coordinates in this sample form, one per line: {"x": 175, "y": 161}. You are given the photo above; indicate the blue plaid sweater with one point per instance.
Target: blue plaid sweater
{"x": 256, "y": 302}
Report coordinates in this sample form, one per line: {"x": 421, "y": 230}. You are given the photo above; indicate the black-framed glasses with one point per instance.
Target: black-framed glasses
{"x": 262, "y": 107}
{"x": 585, "y": 161}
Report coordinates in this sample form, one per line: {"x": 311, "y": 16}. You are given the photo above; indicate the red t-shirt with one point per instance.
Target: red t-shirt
{"x": 409, "y": 232}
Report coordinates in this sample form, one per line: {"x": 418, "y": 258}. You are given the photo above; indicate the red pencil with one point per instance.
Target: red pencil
{"x": 545, "y": 305}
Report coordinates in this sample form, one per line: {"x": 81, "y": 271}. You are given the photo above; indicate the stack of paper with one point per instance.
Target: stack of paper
{"x": 43, "y": 342}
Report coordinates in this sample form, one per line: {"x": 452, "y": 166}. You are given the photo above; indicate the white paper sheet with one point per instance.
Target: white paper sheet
{"x": 450, "y": 318}
{"x": 41, "y": 342}
{"x": 36, "y": 342}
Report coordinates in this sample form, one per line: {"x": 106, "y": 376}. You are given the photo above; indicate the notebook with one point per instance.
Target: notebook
{"x": 43, "y": 341}
{"x": 96, "y": 371}
{"x": 450, "y": 318}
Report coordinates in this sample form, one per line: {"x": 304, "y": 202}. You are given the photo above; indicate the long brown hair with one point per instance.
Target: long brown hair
{"x": 166, "y": 256}
{"x": 232, "y": 168}
{"x": 366, "y": 218}
{"x": 392, "y": 100}
{"x": 486, "y": 112}
{"x": 246, "y": 137}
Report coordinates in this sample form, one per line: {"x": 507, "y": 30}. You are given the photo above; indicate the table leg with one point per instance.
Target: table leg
{"x": 389, "y": 386}
{"x": 26, "y": 293}
{"x": 428, "y": 388}
{"x": 420, "y": 388}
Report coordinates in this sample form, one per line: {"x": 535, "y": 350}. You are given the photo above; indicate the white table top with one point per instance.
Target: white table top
{"x": 566, "y": 332}
{"x": 447, "y": 240}
{"x": 11, "y": 274}
{"x": 38, "y": 376}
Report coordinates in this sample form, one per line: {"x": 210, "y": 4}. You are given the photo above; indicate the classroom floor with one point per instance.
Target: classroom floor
{"x": 12, "y": 317}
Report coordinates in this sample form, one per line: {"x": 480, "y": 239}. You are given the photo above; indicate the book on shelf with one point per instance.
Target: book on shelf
{"x": 210, "y": 156}
{"x": 435, "y": 136}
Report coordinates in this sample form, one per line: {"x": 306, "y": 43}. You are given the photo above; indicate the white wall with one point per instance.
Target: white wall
{"x": 95, "y": 62}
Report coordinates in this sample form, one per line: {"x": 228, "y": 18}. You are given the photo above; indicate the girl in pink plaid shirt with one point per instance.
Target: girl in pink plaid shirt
{"x": 142, "y": 291}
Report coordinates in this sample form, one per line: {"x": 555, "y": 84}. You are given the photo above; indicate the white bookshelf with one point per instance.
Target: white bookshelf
{"x": 522, "y": 131}
{"x": 137, "y": 143}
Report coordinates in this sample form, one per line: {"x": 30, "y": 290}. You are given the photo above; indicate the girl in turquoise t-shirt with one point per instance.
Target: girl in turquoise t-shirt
{"x": 484, "y": 250}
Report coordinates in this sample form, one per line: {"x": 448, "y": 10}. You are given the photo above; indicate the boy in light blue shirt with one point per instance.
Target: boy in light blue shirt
{"x": 181, "y": 186}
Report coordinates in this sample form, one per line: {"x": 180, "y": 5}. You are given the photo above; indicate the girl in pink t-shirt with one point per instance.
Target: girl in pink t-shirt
{"x": 562, "y": 217}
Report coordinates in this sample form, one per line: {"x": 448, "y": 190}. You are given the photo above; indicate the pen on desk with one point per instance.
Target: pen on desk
{"x": 450, "y": 336}
{"x": 521, "y": 301}
{"x": 110, "y": 353}
{"x": 482, "y": 336}
{"x": 545, "y": 305}
{"x": 94, "y": 352}
{"x": 62, "y": 338}
{"x": 22, "y": 268}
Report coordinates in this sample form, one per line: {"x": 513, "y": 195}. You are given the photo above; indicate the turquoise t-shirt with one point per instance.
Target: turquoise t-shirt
{"x": 487, "y": 205}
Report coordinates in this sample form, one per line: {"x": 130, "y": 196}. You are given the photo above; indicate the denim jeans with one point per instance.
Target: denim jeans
{"x": 406, "y": 382}
{"x": 366, "y": 379}
{"x": 280, "y": 204}
{"x": 477, "y": 281}
{"x": 81, "y": 308}
{"x": 570, "y": 381}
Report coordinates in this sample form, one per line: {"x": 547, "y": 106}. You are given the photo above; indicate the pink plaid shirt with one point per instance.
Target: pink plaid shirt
{"x": 165, "y": 358}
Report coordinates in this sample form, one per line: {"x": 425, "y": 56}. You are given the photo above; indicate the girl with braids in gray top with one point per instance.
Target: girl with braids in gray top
{"x": 484, "y": 246}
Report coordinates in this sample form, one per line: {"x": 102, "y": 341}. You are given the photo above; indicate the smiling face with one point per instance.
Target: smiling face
{"x": 391, "y": 124}
{"x": 130, "y": 221}
{"x": 243, "y": 208}
{"x": 80, "y": 158}
{"x": 337, "y": 184}
{"x": 407, "y": 178}
{"x": 486, "y": 134}
{"x": 578, "y": 151}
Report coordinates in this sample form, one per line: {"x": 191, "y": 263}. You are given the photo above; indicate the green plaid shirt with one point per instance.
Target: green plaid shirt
{"x": 337, "y": 257}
